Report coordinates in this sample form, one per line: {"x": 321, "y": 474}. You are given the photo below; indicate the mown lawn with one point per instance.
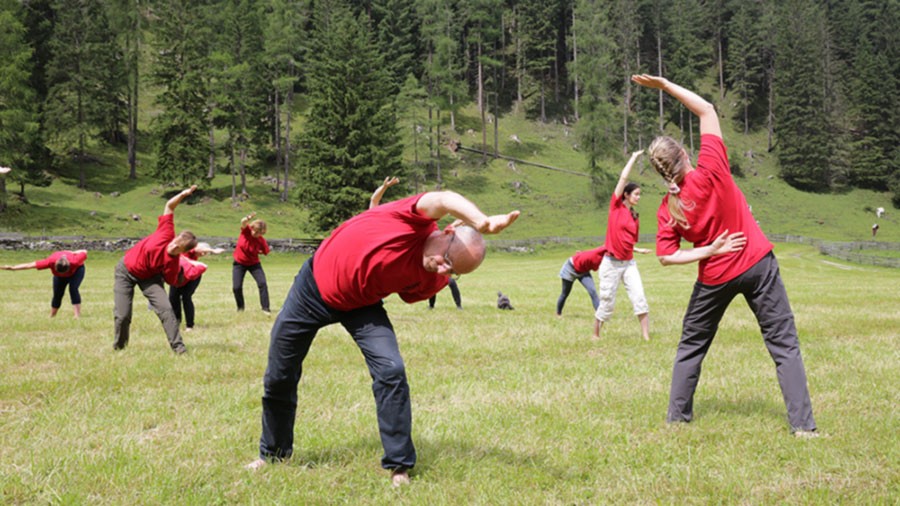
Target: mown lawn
{"x": 509, "y": 407}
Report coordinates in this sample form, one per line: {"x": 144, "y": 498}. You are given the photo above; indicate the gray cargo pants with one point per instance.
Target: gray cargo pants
{"x": 153, "y": 289}
{"x": 764, "y": 291}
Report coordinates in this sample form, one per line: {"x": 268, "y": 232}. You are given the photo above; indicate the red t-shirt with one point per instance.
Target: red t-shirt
{"x": 149, "y": 257}
{"x": 621, "y": 230}
{"x": 719, "y": 205}
{"x": 249, "y": 247}
{"x": 76, "y": 260}
{"x": 191, "y": 270}
{"x": 585, "y": 261}
{"x": 375, "y": 254}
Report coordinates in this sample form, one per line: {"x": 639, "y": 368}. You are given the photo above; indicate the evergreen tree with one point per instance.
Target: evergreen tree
{"x": 18, "y": 121}
{"x": 397, "y": 35}
{"x": 744, "y": 63}
{"x": 804, "y": 146}
{"x": 285, "y": 51}
{"x": 84, "y": 76}
{"x": 598, "y": 73}
{"x": 351, "y": 140}
{"x": 179, "y": 68}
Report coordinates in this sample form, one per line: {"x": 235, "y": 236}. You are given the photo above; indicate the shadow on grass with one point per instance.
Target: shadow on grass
{"x": 743, "y": 407}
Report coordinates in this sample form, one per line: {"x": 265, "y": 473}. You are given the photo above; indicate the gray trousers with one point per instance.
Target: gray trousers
{"x": 764, "y": 291}
{"x": 153, "y": 289}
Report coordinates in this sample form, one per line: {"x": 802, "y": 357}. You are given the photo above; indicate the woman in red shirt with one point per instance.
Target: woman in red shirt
{"x": 190, "y": 273}
{"x": 68, "y": 271}
{"x": 704, "y": 206}
{"x": 618, "y": 265}
{"x": 250, "y": 245}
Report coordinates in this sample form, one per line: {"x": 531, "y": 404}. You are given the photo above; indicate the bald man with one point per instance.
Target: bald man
{"x": 392, "y": 248}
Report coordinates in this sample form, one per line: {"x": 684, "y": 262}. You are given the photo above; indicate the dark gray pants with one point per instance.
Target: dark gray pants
{"x": 761, "y": 286}
{"x": 237, "y": 284}
{"x": 303, "y": 314}
{"x": 153, "y": 289}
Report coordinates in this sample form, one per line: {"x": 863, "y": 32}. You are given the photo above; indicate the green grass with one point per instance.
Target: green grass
{"x": 509, "y": 407}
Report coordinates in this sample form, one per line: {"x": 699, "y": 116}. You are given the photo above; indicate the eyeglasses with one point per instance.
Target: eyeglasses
{"x": 448, "y": 262}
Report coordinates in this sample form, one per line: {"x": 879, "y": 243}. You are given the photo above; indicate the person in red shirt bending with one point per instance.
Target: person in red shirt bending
{"x": 391, "y": 248}
{"x": 68, "y": 270}
{"x": 250, "y": 245}
{"x": 704, "y": 206}
{"x": 619, "y": 266}
{"x": 191, "y": 272}
{"x": 146, "y": 265}
{"x": 578, "y": 267}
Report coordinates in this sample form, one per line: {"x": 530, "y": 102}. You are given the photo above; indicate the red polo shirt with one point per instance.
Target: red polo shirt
{"x": 621, "y": 230}
{"x": 249, "y": 248}
{"x": 149, "y": 258}
{"x": 585, "y": 261}
{"x": 715, "y": 204}
{"x": 76, "y": 260}
{"x": 377, "y": 253}
{"x": 191, "y": 269}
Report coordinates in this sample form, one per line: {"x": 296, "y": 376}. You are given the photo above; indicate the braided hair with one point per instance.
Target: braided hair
{"x": 665, "y": 155}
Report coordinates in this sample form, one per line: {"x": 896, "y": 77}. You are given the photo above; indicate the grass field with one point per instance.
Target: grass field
{"x": 509, "y": 407}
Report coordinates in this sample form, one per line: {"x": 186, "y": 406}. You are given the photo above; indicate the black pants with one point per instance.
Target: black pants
{"x": 454, "y": 291}
{"x": 237, "y": 284}
{"x": 183, "y": 295}
{"x": 303, "y": 314}
{"x": 60, "y": 284}
{"x": 761, "y": 286}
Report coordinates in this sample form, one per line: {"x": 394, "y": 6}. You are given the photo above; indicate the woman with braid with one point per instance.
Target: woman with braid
{"x": 705, "y": 207}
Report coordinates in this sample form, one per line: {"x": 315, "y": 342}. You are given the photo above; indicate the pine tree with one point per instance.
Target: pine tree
{"x": 744, "y": 62}
{"x": 351, "y": 139}
{"x": 85, "y": 77}
{"x": 18, "y": 121}
{"x": 804, "y": 147}
{"x": 179, "y": 68}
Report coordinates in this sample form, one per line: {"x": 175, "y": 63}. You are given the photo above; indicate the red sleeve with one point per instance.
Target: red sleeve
{"x": 45, "y": 263}
{"x": 713, "y": 157}
{"x": 263, "y": 246}
{"x": 668, "y": 240}
{"x": 77, "y": 260}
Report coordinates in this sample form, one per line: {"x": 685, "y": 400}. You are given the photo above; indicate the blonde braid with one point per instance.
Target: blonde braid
{"x": 665, "y": 156}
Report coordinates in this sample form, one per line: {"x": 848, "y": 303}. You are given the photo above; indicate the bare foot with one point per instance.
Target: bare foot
{"x": 256, "y": 465}
{"x": 595, "y": 337}
{"x": 399, "y": 477}
{"x": 646, "y": 338}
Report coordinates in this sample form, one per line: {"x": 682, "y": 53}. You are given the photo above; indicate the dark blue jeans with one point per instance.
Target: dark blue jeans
{"x": 60, "y": 284}
{"x": 764, "y": 291}
{"x": 303, "y": 314}
{"x": 184, "y": 296}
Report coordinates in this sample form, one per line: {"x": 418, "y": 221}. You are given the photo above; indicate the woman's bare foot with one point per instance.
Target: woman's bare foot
{"x": 255, "y": 465}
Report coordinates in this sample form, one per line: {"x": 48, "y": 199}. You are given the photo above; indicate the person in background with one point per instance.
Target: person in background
{"x": 68, "y": 271}
{"x": 618, "y": 265}
{"x": 454, "y": 291}
{"x": 705, "y": 207}
{"x": 250, "y": 245}
{"x": 578, "y": 267}
{"x": 181, "y": 294}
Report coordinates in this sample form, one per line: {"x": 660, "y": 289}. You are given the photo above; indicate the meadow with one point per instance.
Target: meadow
{"x": 509, "y": 407}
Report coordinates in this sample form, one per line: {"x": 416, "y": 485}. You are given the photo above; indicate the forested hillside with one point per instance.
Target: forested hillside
{"x": 328, "y": 97}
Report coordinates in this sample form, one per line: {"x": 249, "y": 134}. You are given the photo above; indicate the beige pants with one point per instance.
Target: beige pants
{"x": 611, "y": 273}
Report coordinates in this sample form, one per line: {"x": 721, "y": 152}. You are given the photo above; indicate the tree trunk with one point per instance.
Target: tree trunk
{"x": 278, "y": 154}
{"x": 287, "y": 136}
{"x": 231, "y": 166}
{"x": 770, "y": 117}
{"x": 243, "y": 167}
{"x": 133, "y": 93}
{"x": 496, "y": 124}
{"x": 437, "y": 151}
{"x": 659, "y": 71}
{"x": 81, "y": 176}
{"x": 481, "y": 107}
{"x": 211, "y": 170}
{"x": 575, "y": 64}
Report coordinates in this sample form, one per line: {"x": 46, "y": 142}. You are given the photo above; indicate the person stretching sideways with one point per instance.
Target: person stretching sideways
{"x": 191, "y": 272}
{"x": 578, "y": 267}
{"x": 619, "y": 266}
{"x": 391, "y": 248}
{"x": 250, "y": 245}
{"x": 146, "y": 265}
{"x": 705, "y": 207}
{"x": 68, "y": 271}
